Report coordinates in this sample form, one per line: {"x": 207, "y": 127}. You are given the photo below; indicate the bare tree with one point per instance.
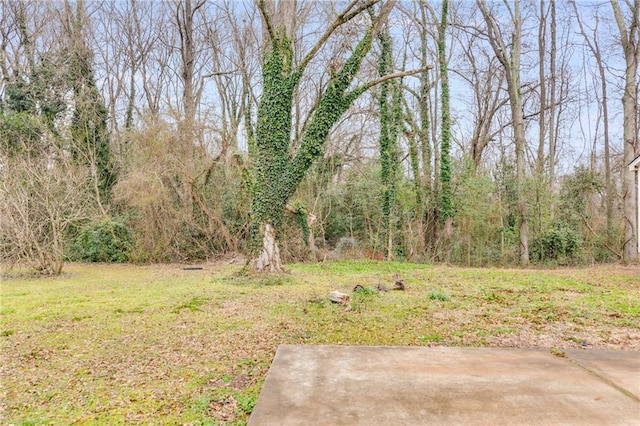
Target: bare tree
{"x": 594, "y": 47}
{"x": 234, "y": 57}
{"x": 509, "y": 57}
{"x": 40, "y": 198}
{"x": 28, "y": 28}
{"x": 629, "y": 27}
{"x": 185, "y": 12}
{"x": 421, "y": 113}
{"x": 553, "y": 95}
{"x": 485, "y": 77}
{"x": 542, "y": 128}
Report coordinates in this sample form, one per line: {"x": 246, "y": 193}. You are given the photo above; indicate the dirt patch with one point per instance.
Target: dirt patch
{"x": 240, "y": 382}
{"x": 566, "y": 336}
{"x": 223, "y": 410}
{"x": 229, "y": 259}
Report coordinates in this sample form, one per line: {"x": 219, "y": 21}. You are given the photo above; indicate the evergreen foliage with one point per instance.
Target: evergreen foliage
{"x": 302, "y": 215}
{"x": 89, "y": 123}
{"x": 446, "y": 205}
{"x": 389, "y": 101}
{"x": 108, "y": 241}
{"x": 576, "y": 192}
{"x": 21, "y": 133}
{"x": 44, "y": 100}
{"x": 277, "y": 172}
{"x": 350, "y": 210}
{"x": 560, "y": 244}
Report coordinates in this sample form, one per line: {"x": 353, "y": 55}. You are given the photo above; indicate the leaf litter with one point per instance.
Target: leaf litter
{"x": 195, "y": 366}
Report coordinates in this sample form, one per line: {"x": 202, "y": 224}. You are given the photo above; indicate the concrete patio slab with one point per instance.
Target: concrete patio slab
{"x": 358, "y": 385}
{"x": 619, "y": 368}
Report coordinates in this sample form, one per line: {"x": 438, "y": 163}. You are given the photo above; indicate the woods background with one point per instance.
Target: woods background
{"x": 141, "y": 130}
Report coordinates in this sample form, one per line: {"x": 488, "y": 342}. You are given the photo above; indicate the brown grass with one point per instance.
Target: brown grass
{"x": 161, "y": 345}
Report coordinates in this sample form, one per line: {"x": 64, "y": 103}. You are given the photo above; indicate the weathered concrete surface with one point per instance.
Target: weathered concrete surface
{"x": 620, "y": 369}
{"x": 356, "y": 385}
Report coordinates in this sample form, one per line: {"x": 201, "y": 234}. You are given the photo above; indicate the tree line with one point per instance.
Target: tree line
{"x": 476, "y": 133}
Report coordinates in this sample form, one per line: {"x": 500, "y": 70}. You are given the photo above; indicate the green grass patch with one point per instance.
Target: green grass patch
{"x": 439, "y": 295}
{"x": 126, "y": 344}
{"x": 193, "y": 304}
{"x": 252, "y": 279}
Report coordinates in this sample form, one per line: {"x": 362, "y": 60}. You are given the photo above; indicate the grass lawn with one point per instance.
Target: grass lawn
{"x": 162, "y": 345}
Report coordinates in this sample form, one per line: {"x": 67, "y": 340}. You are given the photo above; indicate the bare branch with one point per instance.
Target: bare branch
{"x": 361, "y": 89}
{"x": 265, "y": 15}
{"x": 343, "y": 18}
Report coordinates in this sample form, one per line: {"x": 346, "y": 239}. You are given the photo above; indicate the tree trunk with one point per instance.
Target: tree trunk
{"x": 594, "y": 47}
{"x": 510, "y": 60}
{"x": 390, "y": 108}
{"x": 630, "y": 40}
{"x": 277, "y": 168}
{"x": 269, "y": 259}
{"x": 423, "y": 132}
{"x": 542, "y": 132}
{"x": 311, "y": 244}
{"x": 552, "y": 96}
{"x": 445, "y": 203}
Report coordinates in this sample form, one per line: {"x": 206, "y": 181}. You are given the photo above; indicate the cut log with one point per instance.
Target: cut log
{"x": 336, "y": 297}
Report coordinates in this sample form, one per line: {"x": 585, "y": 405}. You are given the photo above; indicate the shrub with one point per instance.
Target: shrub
{"x": 40, "y": 201}
{"x": 106, "y": 241}
{"x": 561, "y": 244}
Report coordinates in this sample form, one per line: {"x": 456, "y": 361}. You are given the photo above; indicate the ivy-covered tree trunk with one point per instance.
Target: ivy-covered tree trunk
{"x": 445, "y": 204}
{"x": 277, "y": 168}
{"x": 90, "y": 140}
{"x": 61, "y": 93}
{"x": 424, "y": 187}
{"x": 390, "y": 115}
{"x": 272, "y": 157}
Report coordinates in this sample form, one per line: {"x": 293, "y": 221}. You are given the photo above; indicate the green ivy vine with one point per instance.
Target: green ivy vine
{"x": 446, "y": 203}
{"x": 390, "y": 102}
{"x": 277, "y": 172}
{"x": 302, "y": 214}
